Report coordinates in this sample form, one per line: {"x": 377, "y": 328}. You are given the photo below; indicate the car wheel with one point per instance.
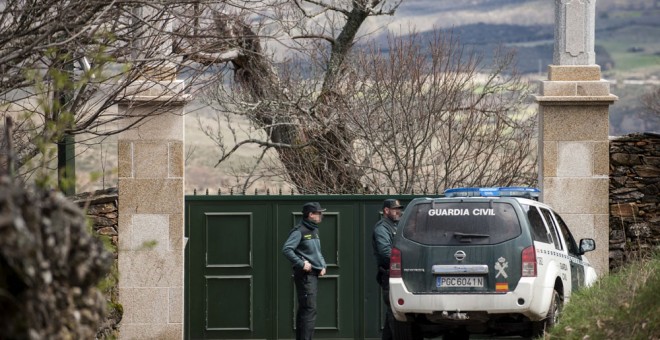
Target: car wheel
{"x": 540, "y": 327}
{"x": 406, "y": 331}
{"x": 554, "y": 311}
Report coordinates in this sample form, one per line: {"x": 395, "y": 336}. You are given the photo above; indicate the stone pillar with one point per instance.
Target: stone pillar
{"x": 573, "y": 130}
{"x": 575, "y": 28}
{"x": 151, "y": 207}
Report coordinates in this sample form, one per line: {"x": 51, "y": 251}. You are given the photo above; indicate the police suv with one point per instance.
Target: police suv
{"x": 483, "y": 260}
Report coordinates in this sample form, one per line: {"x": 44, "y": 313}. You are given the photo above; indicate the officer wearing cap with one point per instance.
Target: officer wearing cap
{"x": 303, "y": 249}
{"x": 382, "y": 243}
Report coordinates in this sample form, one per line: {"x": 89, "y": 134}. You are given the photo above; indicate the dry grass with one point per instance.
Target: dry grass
{"x": 621, "y": 305}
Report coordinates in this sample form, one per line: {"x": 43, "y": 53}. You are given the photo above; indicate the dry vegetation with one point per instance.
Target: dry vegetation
{"x": 202, "y": 154}
{"x": 622, "y": 305}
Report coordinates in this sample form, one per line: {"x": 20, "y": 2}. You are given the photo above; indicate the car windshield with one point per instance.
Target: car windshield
{"x": 454, "y": 223}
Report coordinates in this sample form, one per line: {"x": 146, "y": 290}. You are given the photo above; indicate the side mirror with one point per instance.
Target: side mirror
{"x": 587, "y": 245}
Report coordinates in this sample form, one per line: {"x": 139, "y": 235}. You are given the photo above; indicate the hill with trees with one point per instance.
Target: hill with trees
{"x": 627, "y": 43}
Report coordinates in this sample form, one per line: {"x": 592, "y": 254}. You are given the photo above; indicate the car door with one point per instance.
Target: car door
{"x": 577, "y": 266}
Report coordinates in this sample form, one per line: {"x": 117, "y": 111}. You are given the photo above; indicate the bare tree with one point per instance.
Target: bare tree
{"x": 428, "y": 117}
{"x": 341, "y": 120}
{"x": 64, "y": 66}
{"x": 304, "y": 90}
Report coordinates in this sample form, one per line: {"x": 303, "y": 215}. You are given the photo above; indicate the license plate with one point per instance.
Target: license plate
{"x": 459, "y": 281}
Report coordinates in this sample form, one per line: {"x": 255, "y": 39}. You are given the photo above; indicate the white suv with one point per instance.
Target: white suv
{"x": 483, "y": 260}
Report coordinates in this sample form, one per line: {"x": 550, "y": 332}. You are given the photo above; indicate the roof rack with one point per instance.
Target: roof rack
{"x": 525, "y": 192}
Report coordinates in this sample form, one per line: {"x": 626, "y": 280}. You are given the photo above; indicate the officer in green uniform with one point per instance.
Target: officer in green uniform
{"x": 382, "y": 243}
{"x": 303, "y": 249}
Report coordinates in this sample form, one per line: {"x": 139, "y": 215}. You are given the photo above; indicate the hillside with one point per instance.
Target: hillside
{"x": 627, "y": 43}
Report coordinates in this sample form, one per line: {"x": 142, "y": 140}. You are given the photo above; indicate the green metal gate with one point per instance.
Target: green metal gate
{"x": 238, "y": 284}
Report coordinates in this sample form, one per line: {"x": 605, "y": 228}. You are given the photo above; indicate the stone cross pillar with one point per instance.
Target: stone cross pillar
{"x": 574, "y": 32}
{"x": 573, "y": 130}
{"x": 151, "y": 192}
{"x": 151, "y": 206}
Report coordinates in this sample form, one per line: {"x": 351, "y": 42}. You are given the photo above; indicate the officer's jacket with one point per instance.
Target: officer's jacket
{"x": 382, "y": 241}
{"x": 304, "y": 244}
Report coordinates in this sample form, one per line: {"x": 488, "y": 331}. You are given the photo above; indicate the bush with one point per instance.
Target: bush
{"x": 49, "y": 266}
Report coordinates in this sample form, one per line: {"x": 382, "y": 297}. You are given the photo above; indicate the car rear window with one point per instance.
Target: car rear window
{"x": 455, "y": 223}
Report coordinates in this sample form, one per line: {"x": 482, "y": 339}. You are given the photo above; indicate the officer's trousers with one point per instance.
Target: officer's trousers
{"x": 306, "y": 288}
{"x": 388, "y": 326}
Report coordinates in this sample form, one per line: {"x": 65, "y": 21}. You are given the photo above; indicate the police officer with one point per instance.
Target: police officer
{"x": 382, "y": 243}
{"x": 303, "y": 249}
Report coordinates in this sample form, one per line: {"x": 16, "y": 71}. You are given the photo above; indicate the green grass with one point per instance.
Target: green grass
{"x": 631, "y": 61}
{"x": 618, "y": 44}
{"x": 622, "y": 305}
{"x": 627, "y": 14}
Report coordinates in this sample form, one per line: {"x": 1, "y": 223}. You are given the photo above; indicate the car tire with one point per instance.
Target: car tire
{"x": 406, "y": 331}
{"x": 554, "y": 310}
{"x": 540, "y": 327}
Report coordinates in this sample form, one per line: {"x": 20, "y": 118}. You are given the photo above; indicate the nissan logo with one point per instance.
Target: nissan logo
{"x": 459, "y": 255}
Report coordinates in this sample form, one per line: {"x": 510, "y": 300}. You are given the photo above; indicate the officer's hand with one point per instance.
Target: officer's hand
{"x": 322, "y": 272}
{"x": 307, "y": 266}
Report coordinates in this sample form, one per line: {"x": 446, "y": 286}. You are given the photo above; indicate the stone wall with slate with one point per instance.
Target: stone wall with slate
{"x": 634, "y": 197}
{"x": 101, "y": 208}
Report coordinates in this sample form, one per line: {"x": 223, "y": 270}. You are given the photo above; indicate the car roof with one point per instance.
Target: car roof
{"x": 521, "y": 200}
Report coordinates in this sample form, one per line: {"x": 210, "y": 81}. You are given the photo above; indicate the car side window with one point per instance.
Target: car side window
{"x": 553, "y": 228}
{"x": 539, "y": 232}
{"x": 570, "y": 241}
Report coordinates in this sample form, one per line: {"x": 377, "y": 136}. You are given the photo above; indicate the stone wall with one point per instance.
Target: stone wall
{"x": 634, "y": 197}
{"x": 101, "y": 208}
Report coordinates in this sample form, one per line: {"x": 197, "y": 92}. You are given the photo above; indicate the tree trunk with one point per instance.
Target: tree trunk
{"x": 315, "y": 161}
